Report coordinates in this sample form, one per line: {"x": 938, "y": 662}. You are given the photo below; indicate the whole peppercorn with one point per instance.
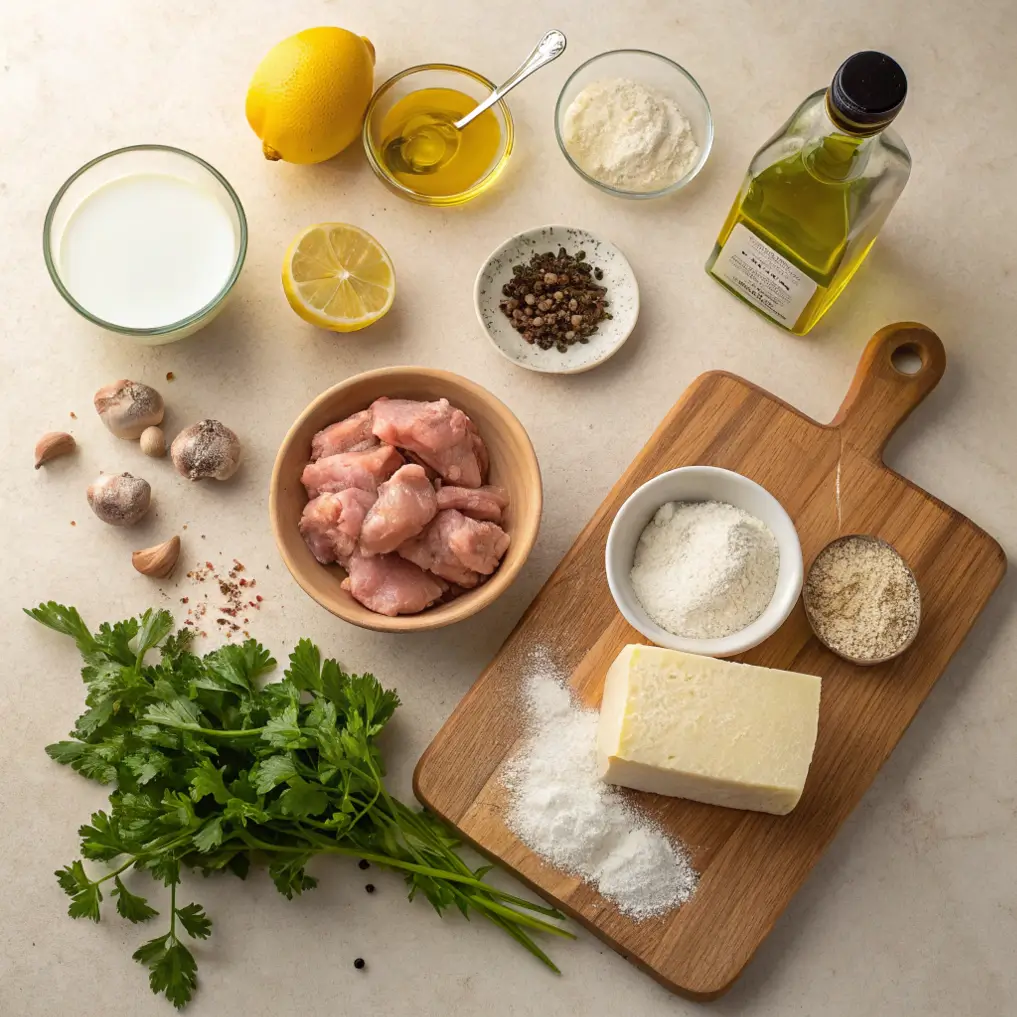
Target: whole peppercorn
{"x": 360, "y": 964}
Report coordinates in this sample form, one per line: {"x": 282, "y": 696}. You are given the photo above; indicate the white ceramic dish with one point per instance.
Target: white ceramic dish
{"x": 703, "y": 483}
{"x": 622, "y": 292}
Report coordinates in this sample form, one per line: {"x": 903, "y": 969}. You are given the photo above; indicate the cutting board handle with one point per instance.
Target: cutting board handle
{"x": 881, "y": 395}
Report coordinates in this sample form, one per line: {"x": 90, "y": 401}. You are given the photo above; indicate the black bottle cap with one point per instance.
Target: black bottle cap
{"x": 867, "y": 92}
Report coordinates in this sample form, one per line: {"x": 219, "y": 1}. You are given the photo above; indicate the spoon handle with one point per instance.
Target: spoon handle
{"x": 549, "y": 48}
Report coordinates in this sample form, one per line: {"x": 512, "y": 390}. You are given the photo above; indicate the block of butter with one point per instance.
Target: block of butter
{"x": 694, "y": 727}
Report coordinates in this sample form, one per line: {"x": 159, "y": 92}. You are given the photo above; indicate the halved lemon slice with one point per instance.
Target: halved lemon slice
{"x": 338, "y": 277}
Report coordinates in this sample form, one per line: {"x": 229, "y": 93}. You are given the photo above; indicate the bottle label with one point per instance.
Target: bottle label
{"x": 764, "y": 277}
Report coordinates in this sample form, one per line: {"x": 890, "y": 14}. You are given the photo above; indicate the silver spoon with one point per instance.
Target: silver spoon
{"x": 443, "y": 138}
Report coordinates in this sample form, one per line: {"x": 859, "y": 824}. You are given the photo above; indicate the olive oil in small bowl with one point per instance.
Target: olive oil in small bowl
{"x": 421, "y": 104}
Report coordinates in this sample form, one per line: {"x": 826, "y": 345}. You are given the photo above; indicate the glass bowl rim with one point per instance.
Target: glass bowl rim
{"x": 54, "y": 273}
{"x": 617, "y": 191}
{"x": 426, "y": 199}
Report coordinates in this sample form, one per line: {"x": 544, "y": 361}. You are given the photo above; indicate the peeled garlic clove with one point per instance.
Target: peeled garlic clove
{"x": 128, "y": 407}
{"x": 205, "y": 450}
{"x": 153, "y": 442}
{"x": 51, "y": 445}
{"x": 119, "y": 499}
{"x": 158, "y": 561}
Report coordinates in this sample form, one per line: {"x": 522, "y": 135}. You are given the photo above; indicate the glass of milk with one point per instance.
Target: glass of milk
{"x": 146, "y": 241}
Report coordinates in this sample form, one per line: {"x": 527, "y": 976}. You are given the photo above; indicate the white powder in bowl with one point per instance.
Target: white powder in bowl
{"x": 563, "y": 812}
{"x": 629, "y": 136}
{"x": 704, "y": 570}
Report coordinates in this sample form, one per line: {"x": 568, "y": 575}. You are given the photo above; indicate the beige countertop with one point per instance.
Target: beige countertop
{"x": 912, "y": 909}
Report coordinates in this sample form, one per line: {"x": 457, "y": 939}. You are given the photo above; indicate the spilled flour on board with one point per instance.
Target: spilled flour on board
{"x": 564, "y": 813}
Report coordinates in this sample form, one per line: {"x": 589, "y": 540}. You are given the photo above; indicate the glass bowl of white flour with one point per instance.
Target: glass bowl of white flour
{"x": 634, "y": 124}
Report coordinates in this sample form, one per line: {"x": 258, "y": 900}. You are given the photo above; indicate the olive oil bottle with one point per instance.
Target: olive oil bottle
{"x": 816, "y": 195}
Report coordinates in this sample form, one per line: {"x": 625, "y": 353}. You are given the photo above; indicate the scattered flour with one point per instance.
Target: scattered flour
{"x": 629, "y": 136}
{"x": 704, "y": 570}
{"x": 562, "y": 811}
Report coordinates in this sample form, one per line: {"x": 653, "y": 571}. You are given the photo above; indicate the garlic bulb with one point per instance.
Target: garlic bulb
{"x": 128, "y": 407}
{"x": 119, "y": 499}
{"x": 205, "y": 450}
{"x": 153, "y": 442}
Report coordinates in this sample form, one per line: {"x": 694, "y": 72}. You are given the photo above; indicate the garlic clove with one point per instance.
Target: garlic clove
{"x": 153, "y": 442}
{"x": 205, "y": 450}
{"x": 128, "y": 407}
{"x": 158, "y": 561}
{"x": 52, "y": 445}
{"x": 119, "y": 499}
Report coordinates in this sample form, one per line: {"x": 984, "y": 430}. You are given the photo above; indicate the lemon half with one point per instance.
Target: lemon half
{"x": 337, "y": 276}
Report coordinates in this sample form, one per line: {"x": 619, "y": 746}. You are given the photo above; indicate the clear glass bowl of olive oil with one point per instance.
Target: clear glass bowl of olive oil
{"x": 433, "y": 96}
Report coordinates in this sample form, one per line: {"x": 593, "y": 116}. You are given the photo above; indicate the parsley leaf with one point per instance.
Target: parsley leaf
{"x": 65, "y": 620}
{"x": 273, "y": 771}
{"x": 209, "y": 837}
{"x": 207, "y": 780}
{"x": 179, "y": 713}
{"x": 134, "y": 908}
{"x": 154, "y": 628}
{"x": 305, "y": 666}
{"x": 171, "y": 968}
{"x": 64, "y": 752}
{"x": 99, "y": 841}
{"x": 194, "y": 920}
{"x": 301, "y": 799}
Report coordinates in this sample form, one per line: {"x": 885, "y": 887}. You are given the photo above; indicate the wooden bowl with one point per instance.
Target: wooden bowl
{"x": 513, "y": 466}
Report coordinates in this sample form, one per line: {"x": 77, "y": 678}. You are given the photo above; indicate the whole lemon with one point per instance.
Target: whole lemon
{"x": 307, "y": 98}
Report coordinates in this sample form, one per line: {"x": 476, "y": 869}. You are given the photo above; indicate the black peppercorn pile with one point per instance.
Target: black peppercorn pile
{"x": 554, "y": 300}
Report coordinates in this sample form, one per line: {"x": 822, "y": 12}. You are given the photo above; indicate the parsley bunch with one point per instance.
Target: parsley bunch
{"x": 213, "y": 770}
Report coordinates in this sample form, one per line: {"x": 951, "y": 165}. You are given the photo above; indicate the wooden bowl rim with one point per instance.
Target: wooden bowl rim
{"x": 524, "y": 534}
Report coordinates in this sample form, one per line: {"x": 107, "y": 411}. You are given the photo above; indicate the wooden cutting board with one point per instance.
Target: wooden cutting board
{"x": 750, "y": 863}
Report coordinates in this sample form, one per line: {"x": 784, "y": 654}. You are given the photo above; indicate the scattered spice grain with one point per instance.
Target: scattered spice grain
{"x": 234, "y": 607}
{"x": 360, "y": 963}
{"x": 369, "y": 888}
{"x": 862, "y": 600}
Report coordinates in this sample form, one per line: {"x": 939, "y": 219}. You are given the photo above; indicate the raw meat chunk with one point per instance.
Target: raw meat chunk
{"x": 406, "y": 504}
{"x": 330, "y": 524}
{"x": 457, "y": 548}
{"x": 437, "y": 432}
{"x": 365, "y": 470}
{"x": 430, "y": 550}
{"x": 387, "y": 584}
{"x": 479, "y": 546}
{"x": 485, "y": 503}
{"x": 353, "y": 434}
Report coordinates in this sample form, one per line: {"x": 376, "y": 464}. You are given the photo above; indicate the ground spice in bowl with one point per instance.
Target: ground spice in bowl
{"x": 862, "y": 600}
{"x": 555, "y": 300}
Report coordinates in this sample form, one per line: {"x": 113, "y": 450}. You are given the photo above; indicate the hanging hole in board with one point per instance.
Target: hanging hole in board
{"x": 907, "y": 359}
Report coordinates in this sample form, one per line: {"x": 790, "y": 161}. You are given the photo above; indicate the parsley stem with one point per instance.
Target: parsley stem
{"x": 391, "y": 863}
